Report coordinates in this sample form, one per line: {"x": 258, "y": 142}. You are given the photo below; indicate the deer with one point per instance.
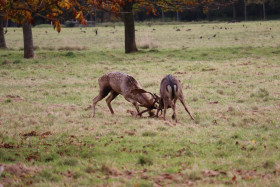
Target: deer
{"x": 170, "y": 91}
{"x": 117, "y": 83}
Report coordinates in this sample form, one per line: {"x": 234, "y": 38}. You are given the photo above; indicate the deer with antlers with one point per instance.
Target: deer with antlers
{"x": 170, "y": 91}
{"x": 117, "y": 83}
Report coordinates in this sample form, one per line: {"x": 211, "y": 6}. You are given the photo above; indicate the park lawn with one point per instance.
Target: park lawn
{"x": 231, "y": 78}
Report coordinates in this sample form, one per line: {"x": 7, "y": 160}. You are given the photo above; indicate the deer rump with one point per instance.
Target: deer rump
{"x": 120, "y": 83}
{"x": 171, "y": 87}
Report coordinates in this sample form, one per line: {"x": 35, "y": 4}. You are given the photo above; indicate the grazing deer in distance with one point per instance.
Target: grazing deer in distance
{"x": 170, "y": 91}
{"x": 117, "y": 83}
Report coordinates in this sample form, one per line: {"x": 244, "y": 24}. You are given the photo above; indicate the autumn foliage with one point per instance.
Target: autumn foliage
{"x": 52, "y": 10}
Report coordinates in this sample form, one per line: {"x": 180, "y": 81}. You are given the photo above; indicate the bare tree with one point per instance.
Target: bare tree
{"x": 2, "y": 35}
{"x": 27, "y": 40}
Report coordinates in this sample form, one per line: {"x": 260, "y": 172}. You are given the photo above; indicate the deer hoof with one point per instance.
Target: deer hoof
{"x": 151, "y": 114}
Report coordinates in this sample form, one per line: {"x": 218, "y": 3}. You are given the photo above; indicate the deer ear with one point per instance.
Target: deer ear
{"x": 137, "y": 91}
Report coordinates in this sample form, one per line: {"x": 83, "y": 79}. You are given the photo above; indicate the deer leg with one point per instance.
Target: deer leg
{"x": 151, "y": 114}
{"x": 135, "y": 104}
{"x": 174, "y": 116}
{"x": 159, "y": 109}
{"x": 165, "y": 107}
{"x": 137, "y": 108}
{"x": 140, "y": 114}
{"x": 102, "y": 93}
{"x": 111, "y": 97}
{"x": 157, "y": 112}
{"x": 184, "y": 104}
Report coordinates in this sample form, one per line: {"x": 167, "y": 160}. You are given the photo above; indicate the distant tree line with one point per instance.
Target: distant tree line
{"x": 254, "y": 10}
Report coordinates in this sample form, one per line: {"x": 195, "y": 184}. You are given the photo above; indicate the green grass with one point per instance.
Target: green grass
{"x": 231, "y": 84}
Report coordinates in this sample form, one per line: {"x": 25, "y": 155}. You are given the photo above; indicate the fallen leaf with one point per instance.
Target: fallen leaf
{"x": 210, "y": 173}
{"x": 214, "y": 102}
{"x": 7, "y": 146}
{"x": 132, "y": 113}
{"x": 208, "y": 69}
{"x": 46, "y": 133}
{"x": 131, "y": 133}
{"x": 88, "y": 107}
{"x": 68, "y": 174}
{"x": 168, "y": 123}
{"x": 32, "y": 133}
{"x": 31, "y": 157}
{"x": 180, "y": 73}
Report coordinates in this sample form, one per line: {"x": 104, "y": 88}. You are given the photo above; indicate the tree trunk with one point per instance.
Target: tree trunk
{"x": 234, "y": 11}
{"x": 245, "y": 10}
{"x": 130, "y": 44}
{"x": 162, "y": 15}
{"x": 208, "y": 14}
{"x": 178, "y": 16}
{"x": 264, "y": 14}
{"x": 28, "y": 40}
{"x": 2, "y": 37}
{"x": 95, "y": 16}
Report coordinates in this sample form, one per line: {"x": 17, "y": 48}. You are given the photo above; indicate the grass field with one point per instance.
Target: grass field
{"x": 231, "y": 78}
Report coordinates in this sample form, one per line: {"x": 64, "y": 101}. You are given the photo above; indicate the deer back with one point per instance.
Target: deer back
{"x": 124, "y": 84}
{"x": 120, "y": 82}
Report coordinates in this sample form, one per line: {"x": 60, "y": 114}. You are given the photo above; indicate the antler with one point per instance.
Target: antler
{"x": 155, "y": 96}
{"x": 138, "y": 90}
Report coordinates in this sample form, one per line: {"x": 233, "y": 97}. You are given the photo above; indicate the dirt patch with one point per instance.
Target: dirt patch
{"x": 15, "y": 172}
{"x": 180, "y": 72}
{"x": 34, "y": 133}
{"x": 9, "y": 98}
{"x": 132, "y": 113}
{"x": 15, "y": 97}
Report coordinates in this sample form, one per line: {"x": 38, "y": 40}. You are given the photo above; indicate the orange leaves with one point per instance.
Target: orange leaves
{"x": 2, "y": 3}
{"x": 103, "y": 5}
{"x": 80, "y": 17}
{"x": 24, "y": 11}
{"x": 56, "y": 25}
{"x": 5, "y": 16}
{"x": 66, "y": 4}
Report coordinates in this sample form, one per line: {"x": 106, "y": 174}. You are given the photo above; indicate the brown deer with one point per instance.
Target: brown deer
{"x": 117, "y": 83}
{"x": 170, "y": 91}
